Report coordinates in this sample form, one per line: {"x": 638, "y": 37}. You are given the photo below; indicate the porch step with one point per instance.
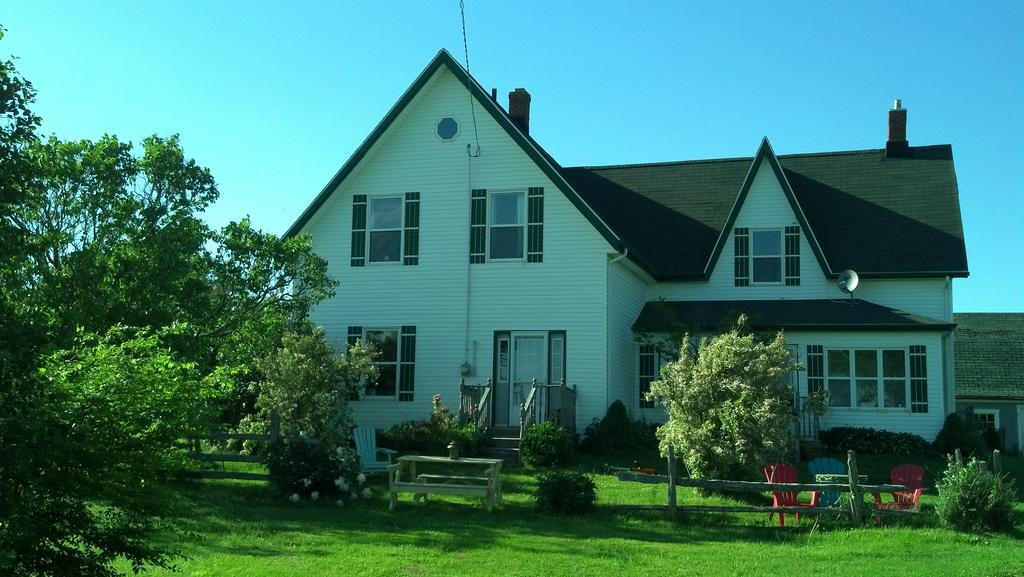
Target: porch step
{"x": 505, "y": 431}
{"x": 505, "y": 442}
{"x": 510, "y": 455}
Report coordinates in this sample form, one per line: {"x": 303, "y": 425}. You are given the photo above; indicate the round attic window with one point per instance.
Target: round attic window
{"x": 447, "y": 128}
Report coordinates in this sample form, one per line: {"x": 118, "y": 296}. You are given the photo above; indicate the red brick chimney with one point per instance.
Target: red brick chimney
{"x": 519, "y": 108}
{"x": 897, "y": 145}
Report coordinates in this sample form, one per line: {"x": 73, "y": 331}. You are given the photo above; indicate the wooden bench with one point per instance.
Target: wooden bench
{"x": 402, "y": 478}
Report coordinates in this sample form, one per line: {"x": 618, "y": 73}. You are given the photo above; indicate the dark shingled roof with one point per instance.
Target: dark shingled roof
{"x": 791, "y": 315}
{"x": 989, "y": 352}
{"x": 883, "y": 217}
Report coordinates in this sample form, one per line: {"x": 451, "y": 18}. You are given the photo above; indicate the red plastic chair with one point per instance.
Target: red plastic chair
{"x": 783, "y": 473}
{"x": 911, "y": 477}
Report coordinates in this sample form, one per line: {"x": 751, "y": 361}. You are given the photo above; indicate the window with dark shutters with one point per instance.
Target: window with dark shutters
{"x": 478, "y": 226}
{"x": 358, "y": 230}
{"x": 535, "y": 225}
{"x": 741, "y": 252}
{"x": 792, "y": 256}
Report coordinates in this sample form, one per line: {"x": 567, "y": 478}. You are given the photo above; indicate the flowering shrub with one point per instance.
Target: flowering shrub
{"x": 303, "y": 469}
{"x": 431, "y": 437}
{"x": 729, "y": 408}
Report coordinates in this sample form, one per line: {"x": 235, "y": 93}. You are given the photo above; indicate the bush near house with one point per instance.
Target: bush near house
{"x": 957, "y": 434}
{"x": 971, "y": 498}
{"x": 546, "y": 445}
{"x": 867, "y": 441}
{"x": 431, "y": 437}
{"x": 617, "y": 434}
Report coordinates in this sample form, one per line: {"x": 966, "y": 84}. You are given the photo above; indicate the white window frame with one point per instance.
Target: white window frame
{"x": 993, "y": 412}
{"x": 523, "y": 207}
{"x": 397, "y": 363}
{"x": 781, "y": 256}
{"x": 370, "y": 230}
{"x": 880, "y": 378}
{"x": 640, "y": 374}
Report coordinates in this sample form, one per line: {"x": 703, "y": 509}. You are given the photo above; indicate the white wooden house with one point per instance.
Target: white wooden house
{"x": 468, "y": 252}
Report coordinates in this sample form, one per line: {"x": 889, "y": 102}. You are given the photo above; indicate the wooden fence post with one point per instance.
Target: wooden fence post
{"x": 275, "y": 426}
{"x": 959, "y": 457}
{"x": 671, "y": 482}
{"x": 997, "y": 463}
{"x": 856, "y": 500}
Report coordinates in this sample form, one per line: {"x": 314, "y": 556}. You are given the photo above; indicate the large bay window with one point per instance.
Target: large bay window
{"x": 868, "y": 378}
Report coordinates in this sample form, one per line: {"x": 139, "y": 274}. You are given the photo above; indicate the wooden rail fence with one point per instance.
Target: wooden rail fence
{"x": 857, "y": 511}
{"x": 195, "y": 451}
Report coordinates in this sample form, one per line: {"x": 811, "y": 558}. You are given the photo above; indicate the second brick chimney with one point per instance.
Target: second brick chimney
{"x": 897, "y": 145}
{"x": 519, "y": 108}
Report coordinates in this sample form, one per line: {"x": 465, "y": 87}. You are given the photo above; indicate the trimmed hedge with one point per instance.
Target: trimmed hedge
{"x": 565, "y": 493}
{"x": 867, "y": 441}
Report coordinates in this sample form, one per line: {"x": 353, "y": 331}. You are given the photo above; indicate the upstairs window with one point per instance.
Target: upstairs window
{"x": 385, "y": 229}
{"x": 766, "y": 256}
{"x": 506, "y": 231}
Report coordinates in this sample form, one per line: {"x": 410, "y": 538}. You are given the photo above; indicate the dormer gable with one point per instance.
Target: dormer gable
{"x": 765, "y": 227}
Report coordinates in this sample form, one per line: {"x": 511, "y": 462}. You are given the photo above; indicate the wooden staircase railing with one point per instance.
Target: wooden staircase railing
{"x": 549, "y": 402}
{"x": 475, "y": 404}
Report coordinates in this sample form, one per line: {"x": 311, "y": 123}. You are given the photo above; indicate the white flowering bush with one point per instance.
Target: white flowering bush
{"x": 303, "y": 470}
{"x": 729, "y": 408}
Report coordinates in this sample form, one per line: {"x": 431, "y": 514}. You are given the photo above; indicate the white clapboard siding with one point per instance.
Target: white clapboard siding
{"x": 565, "y": 292}
{"x": 626, "y": 298}
{"x": 766, "y": 206}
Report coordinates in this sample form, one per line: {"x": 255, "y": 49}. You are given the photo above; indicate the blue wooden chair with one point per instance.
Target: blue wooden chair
{"x": 366, "y": 447}
{"x": 825, "y": 466}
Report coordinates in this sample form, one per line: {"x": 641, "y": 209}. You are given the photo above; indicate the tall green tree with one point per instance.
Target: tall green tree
{"x": 122, "y": 315}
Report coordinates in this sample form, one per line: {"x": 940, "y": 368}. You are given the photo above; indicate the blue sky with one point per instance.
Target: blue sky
{"x": 274, "y": 96}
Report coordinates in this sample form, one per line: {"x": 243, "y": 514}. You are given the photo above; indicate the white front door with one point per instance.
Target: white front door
{"x": 529, "y": 361}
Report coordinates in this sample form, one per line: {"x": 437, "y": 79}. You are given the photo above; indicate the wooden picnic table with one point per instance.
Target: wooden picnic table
{"x": 402, "y": 478}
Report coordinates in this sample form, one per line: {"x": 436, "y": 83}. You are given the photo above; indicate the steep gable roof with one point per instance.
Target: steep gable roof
{"x": 543, "y": 160}
{"x": 883, "y": 217}
{"x": 989, "y": 353}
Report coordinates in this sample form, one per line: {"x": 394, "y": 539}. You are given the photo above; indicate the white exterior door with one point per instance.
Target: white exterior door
{"x": 529, "y": 361}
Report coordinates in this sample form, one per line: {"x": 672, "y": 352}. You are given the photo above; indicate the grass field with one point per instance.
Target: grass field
{"x": 238, "y": 528}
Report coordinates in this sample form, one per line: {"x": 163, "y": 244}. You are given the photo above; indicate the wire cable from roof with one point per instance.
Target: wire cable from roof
{"x": 472, "y": 105}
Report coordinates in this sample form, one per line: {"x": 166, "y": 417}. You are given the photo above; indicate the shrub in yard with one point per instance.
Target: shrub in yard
{"x": 546, "y": 445}
{"x": 867, "y": 441}
{"x": 565, "y": 493}
{"x": 957, "y": 434}
{"x": 729, "y": 406}
{"x": 299, "y": 469}
{"x": 971, "y": 498}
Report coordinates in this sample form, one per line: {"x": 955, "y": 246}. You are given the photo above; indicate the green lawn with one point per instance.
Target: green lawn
{"x": 237, "y": 528}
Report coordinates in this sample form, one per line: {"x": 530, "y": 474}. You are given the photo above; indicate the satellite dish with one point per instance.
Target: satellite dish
{"x": 848, "y": 281}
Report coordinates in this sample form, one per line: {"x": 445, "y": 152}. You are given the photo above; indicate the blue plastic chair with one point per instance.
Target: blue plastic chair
{"x": 825, "y": 466}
